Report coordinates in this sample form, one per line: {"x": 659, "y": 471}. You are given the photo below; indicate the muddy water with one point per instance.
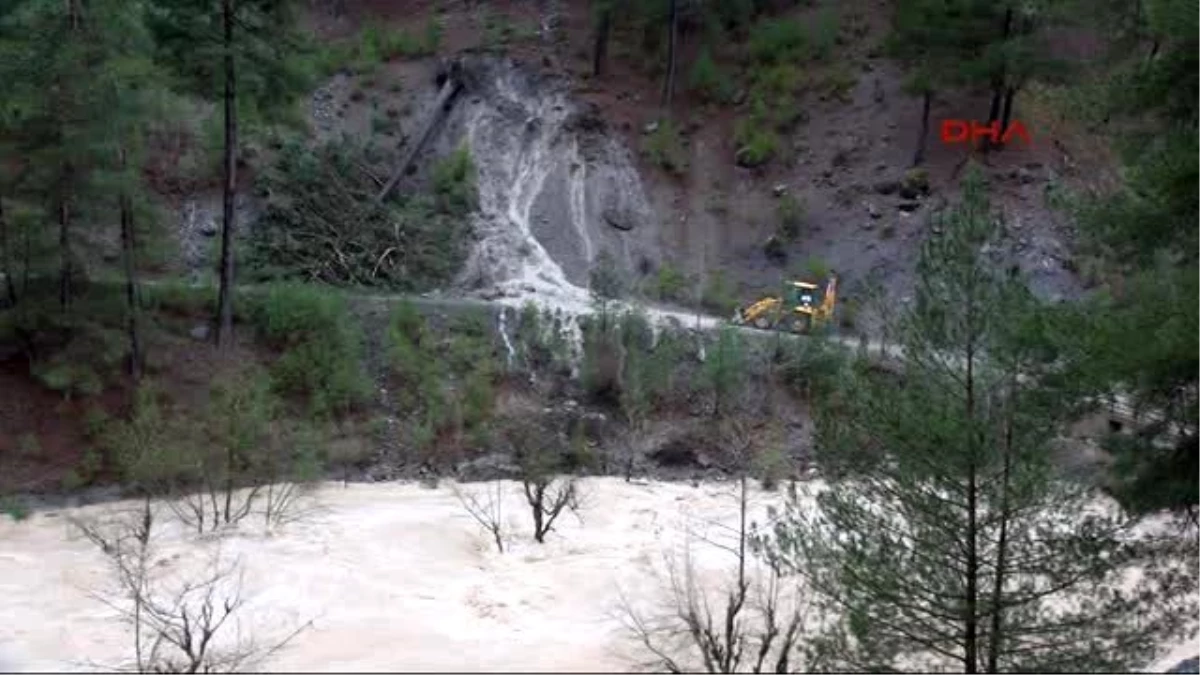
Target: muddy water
{"x": 393, "y": 576}
{"x": 396, "y": 577}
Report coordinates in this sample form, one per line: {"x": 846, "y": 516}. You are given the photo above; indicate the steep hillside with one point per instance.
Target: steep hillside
{"x": 836, "y": 177}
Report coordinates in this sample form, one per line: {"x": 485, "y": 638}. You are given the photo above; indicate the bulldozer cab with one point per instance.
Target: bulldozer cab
{"x": 804, "y": 297}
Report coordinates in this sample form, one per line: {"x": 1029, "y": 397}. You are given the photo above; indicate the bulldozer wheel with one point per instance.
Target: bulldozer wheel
{"x": 762, "y": 323}
{"x": 799, "y": 326}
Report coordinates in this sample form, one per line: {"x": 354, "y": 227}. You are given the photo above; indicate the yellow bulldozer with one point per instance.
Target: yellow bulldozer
{"x": 801, "y": 307}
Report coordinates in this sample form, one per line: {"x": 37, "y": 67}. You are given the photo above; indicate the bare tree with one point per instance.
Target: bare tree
{"x": 247, "y": 462}
{"x": 488, "y": 511}
{"x": 286, "y": 503}
{"x": 752, "y": 630}
{"x": 548, "y": 496}
{"x": 184, "y": 624}
{"x": 538, "y": 447}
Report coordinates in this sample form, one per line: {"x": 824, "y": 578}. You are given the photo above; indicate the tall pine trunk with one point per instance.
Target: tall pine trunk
{"x": 129, "y": 248}
{"x": 224, "y": 330}
{"x": 672, "y": 38}
{"x": 10, "y": 285}
{"x": 971, "y": 604}
{"x": 996, "y": 632}
{"x": 1006, "y": 117}
{"x": 926, "y": 102}
{"x": 65, "y": 270}
{"x": 998, "y": 80}
{"x": 600, "y": 48}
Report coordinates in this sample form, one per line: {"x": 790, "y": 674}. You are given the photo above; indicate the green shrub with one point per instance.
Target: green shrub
{"x": 848, "y": 314}
{"x": 790, "y": 214}
{"x": 670, "y": 283}
{"x": 838, "y": 83}
{"x": 378, "y": 43}
{"x": 666, "y": 383}
{"x": 757, "y": 142}
{"x": 916, "y": 181}
{"x": 146, "y": 447}
{"x": 432, "y": 35}
{"x": 28, "y": 446}
{"x": 825, "y": 33}
{"x": 384, "y": 124}
{"x": 770, "y": 466}
{"x": 602, "y": 363}
{"x": 709, "y": 80}
{"x": 636, "y": 333}
{"x": 454, "y": 183}
{"x": 724, "y": 370}
{"x": 778, "y": 40}
{"x": 664, "y": 146}
{"x": 814, "y": 268}
{"x": 541, "y": 341}
{"x": 718, "y": 294}
{"x": 14, "y": 508}
{"x": 91, "y": 357}
{"x": 321, "y": 345}
{"x": 776, "y": 84}
{"x": 94, "y": 422}
{"x": 446, "y": 386}
{"x": 812, "y": 368}
{"x": 469, "y": 345}
{"x": 179, "y": 297}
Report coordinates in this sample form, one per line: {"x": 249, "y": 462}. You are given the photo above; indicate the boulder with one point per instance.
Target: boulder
{"x": 679, "y": 455}
{"x": 621, "y": 219}
{"x": 492, "y": 466}
{"x": 746, "y": 160}
{"x": 887, "y": 187}
{"x": 1191, "y": 665}
{"x": 775, "y": 250}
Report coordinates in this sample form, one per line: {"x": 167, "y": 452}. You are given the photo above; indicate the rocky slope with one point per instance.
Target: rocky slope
{"x": 564, "y": 174}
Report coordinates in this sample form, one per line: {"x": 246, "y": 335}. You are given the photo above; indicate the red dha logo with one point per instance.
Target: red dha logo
{"x": 960, "y": 131}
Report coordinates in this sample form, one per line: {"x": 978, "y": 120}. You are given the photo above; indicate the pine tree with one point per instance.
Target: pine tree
{"x": 130, "y": 86}
{"x": 967, "y": 43}
{"x": 81, "y": 87}
{"x": 950, "y": 541}
{"x": 1142, "y": 337}
{"x": 48, "y": 67}
{"x": 243, "y": 53}
{"x": 924, "y": 38}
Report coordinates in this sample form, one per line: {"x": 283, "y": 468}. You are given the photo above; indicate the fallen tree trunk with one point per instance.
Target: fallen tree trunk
{"x": 449, "y": 88}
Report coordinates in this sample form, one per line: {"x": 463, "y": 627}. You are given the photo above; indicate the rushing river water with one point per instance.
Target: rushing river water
{"x": 393, "y": 576}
